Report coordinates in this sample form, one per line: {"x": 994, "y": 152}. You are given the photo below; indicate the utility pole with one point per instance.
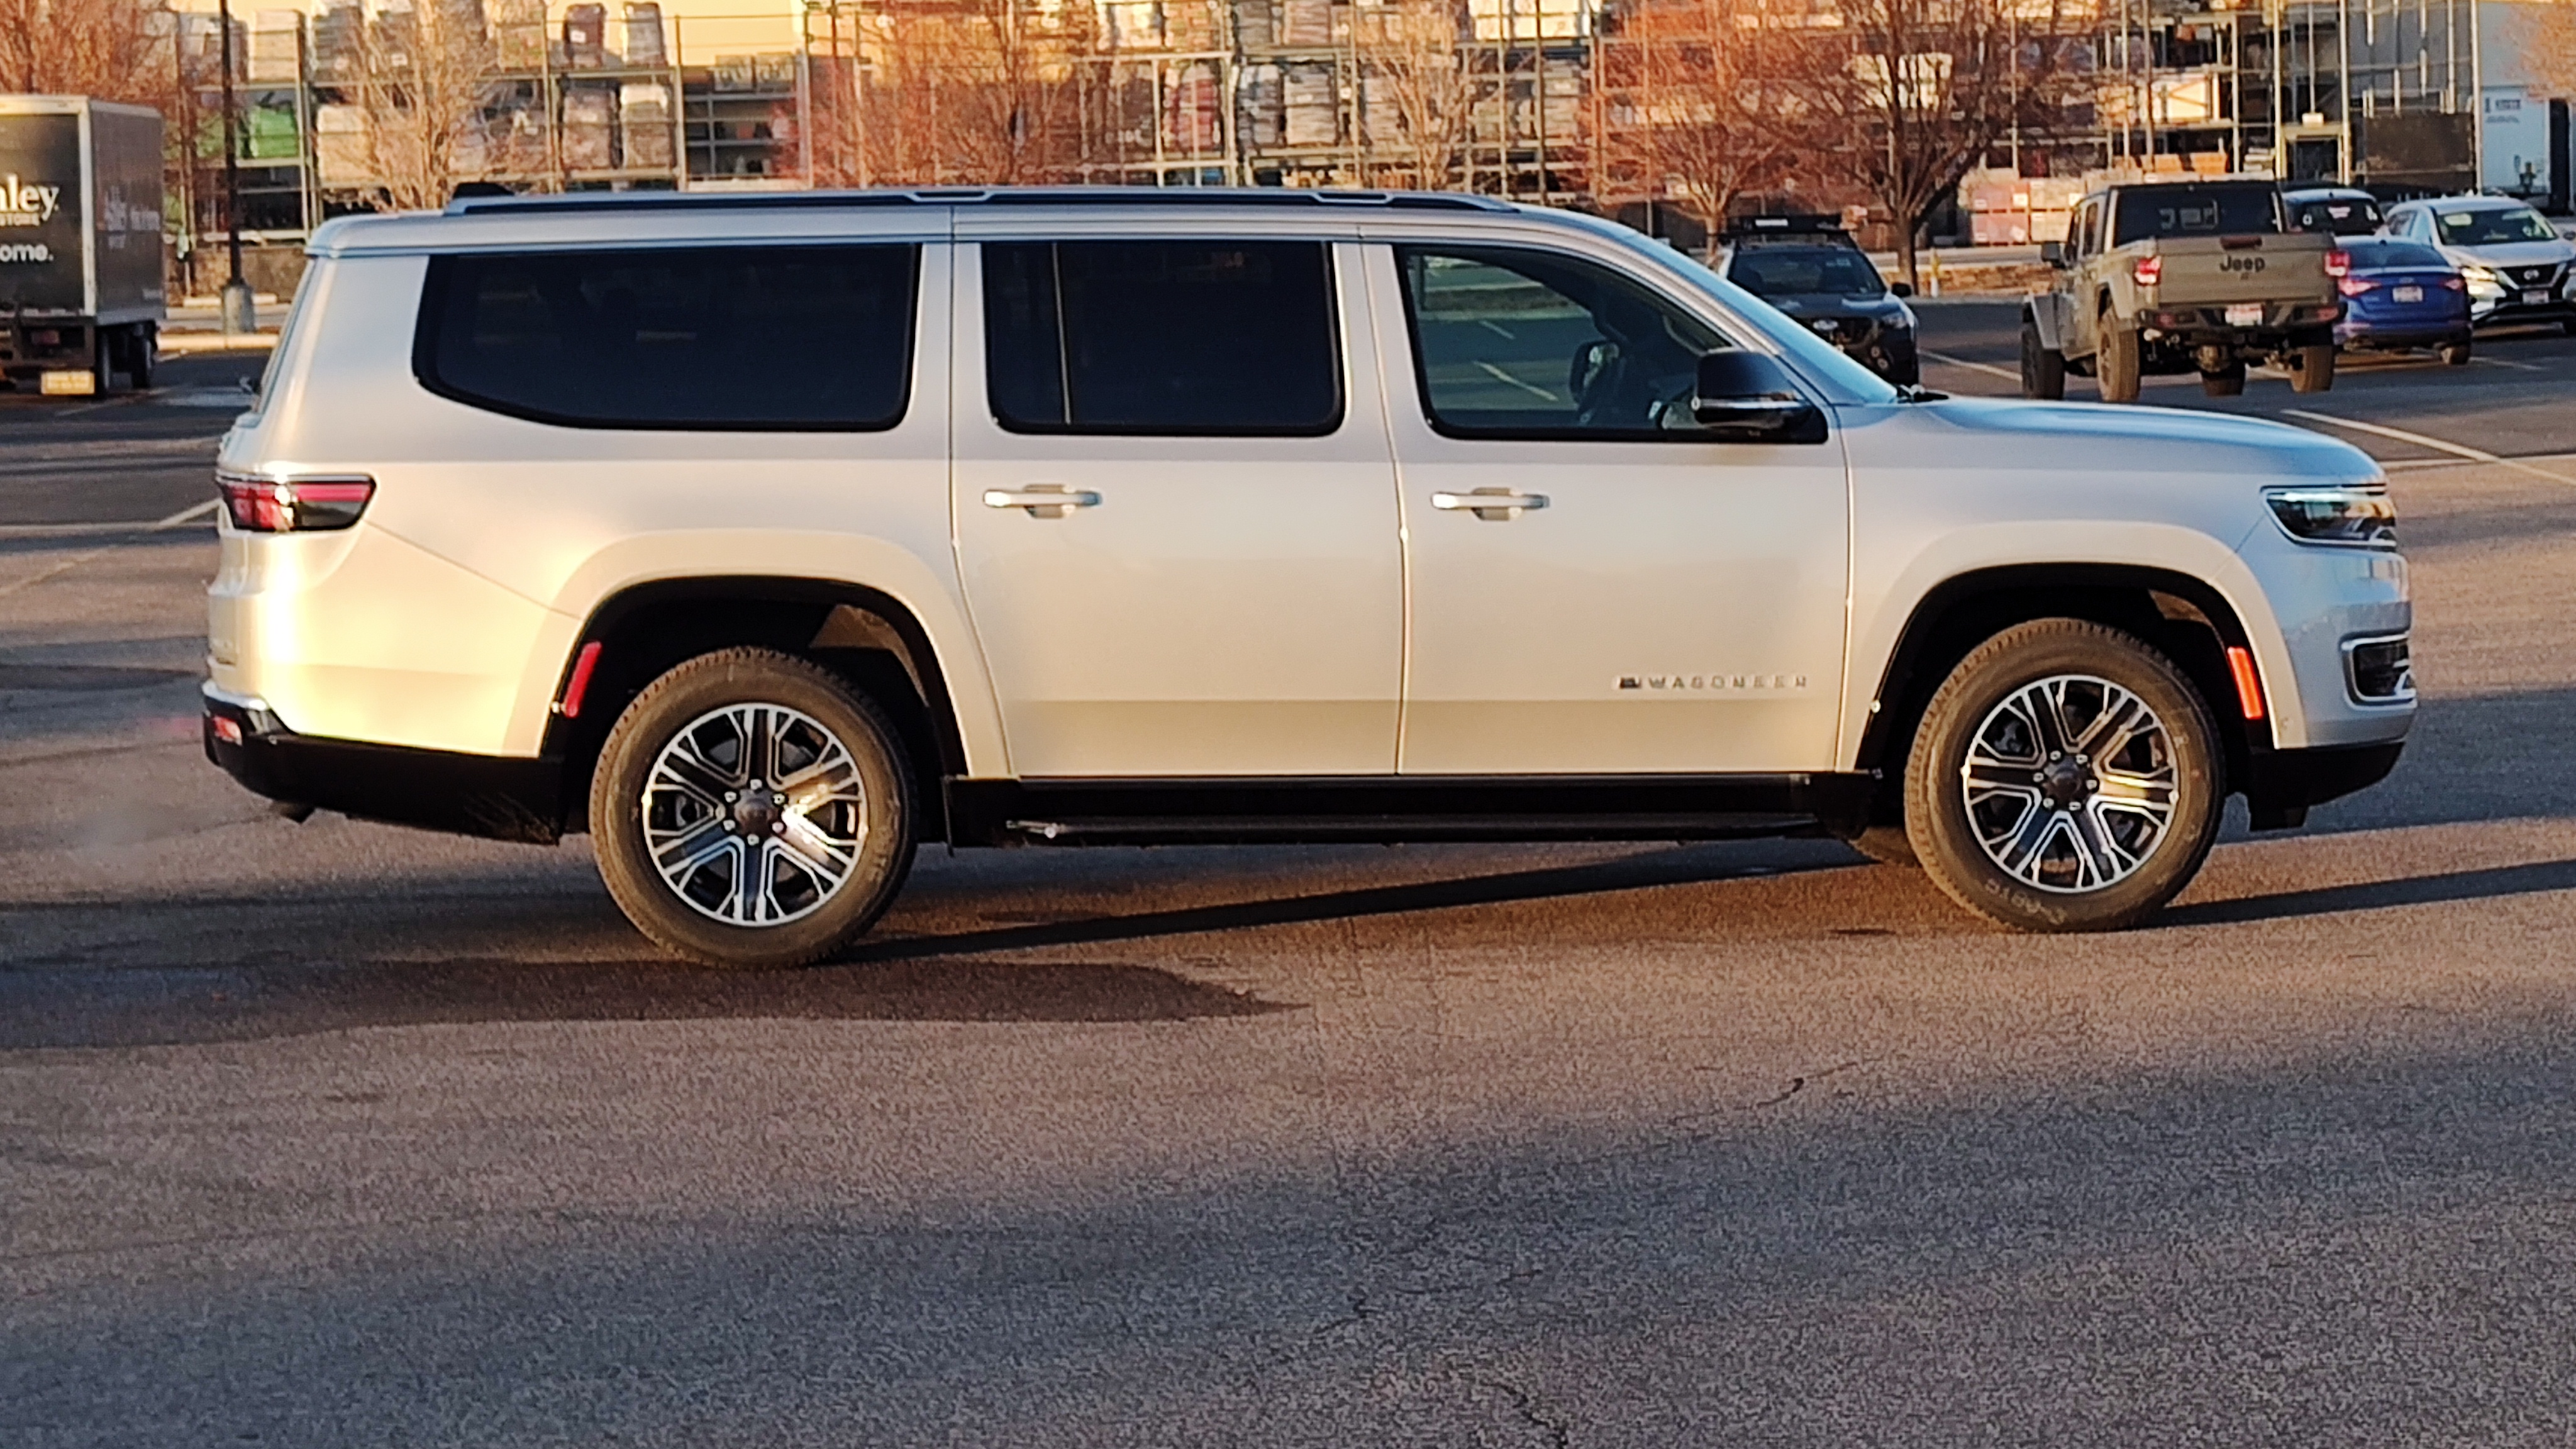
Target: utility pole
{"x": 238, "y": 313}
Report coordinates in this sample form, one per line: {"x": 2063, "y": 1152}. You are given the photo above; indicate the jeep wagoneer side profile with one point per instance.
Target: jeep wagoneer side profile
{"x": 770, "y": 538}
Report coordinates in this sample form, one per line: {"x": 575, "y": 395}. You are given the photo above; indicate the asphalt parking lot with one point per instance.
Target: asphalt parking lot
{"x": 336, "y": 1134}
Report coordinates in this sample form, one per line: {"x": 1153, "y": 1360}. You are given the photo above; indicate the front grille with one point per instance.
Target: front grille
{"x": 2540, "y": 276}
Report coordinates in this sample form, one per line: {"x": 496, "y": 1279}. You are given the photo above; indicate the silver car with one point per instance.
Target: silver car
{"x": 2519, "y": 269}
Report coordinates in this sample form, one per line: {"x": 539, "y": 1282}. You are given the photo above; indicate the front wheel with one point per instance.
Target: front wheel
{"x": 2066, "y": 777}
{"x": 2312, "y": 368}
{"x": 750, "y": 810}
{"x": 2043, "y": 368}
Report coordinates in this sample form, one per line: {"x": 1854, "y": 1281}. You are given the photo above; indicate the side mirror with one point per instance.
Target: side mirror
{"x": 1900, "y": 290}
{"x": 2053, "y": 253}
{"x": 1746, "y": 397}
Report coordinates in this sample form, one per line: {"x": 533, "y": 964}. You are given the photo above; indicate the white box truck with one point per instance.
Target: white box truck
{"x": 82, "y": 294}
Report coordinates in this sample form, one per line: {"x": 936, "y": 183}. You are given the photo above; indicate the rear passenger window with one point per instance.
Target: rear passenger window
{"x": 1162, "y": 337}
{"x": 803, "y": 338}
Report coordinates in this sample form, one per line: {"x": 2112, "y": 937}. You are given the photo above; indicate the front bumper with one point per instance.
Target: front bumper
{"x": 497, "y": 797}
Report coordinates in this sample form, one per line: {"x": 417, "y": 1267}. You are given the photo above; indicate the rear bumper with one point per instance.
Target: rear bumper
{"x": 2282, "y": 784}
{"x": 498, "y": 797}
{"x": 2356, "y": 332}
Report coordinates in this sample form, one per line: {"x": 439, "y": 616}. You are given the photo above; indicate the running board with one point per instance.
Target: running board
{"x": 1390, "y": 809}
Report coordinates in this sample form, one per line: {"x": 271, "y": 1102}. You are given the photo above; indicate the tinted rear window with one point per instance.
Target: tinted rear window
{"x": 2160, "y": 211}
{"x": 2373, "y": 255}
{"x": 804, "y": 338}
{"x": 1162, "y": 337}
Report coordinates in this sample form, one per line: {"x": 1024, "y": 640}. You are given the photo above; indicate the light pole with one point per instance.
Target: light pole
{"x": 239, "y": 315}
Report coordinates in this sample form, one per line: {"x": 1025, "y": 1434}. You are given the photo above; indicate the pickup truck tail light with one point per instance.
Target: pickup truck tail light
{"x": 292, "y": 505}
{"x": 2147, "y": 271}
{"x": 2355, "y": 286}
{"x": 2338, "y": 263}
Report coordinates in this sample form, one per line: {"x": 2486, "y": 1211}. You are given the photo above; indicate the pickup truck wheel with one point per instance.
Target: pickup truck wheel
{"x": 2066, "y": 777}
{"x": 2043, "y": 368}
{"x": 2118, "y": 366}
{"x": 2312, "y": 368}
{"x": 2453, "y": 354}
{"x": 750, "y": 810}
{"x": 2230, "y": 383}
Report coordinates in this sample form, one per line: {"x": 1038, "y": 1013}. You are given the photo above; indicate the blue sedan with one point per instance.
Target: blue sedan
{"x": 2402, "y": 294}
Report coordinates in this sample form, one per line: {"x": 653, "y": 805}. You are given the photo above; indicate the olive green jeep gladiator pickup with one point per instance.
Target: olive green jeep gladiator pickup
{"x": 2179, "y": 277}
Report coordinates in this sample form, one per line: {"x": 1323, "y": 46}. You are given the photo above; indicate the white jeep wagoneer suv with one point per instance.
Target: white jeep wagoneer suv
{"x": 771, "y": 537}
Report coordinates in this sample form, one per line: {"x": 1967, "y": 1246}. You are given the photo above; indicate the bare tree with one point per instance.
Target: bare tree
{"x": 1928, "y": 87}
{"x": 977, "y": 91}
{"x": 425, "y": 91}
{"x": 118, "y": 50}
{"x": 1707, "y": 100}
{"x": 2544, "y": 32}
{"x": 1417, "y": 94}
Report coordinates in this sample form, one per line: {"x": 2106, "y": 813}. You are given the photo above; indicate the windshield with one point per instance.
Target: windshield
{"x": 1845, "y": 381}
{"x": 2489, "y": 226}
{"x": 2372, "y": 255}
{"x": 2160, "y": 211}
{"x": 1805, "y": 271}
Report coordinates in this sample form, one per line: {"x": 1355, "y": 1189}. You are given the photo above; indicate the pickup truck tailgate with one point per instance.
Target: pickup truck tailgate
{"x": 2276, "y": 267}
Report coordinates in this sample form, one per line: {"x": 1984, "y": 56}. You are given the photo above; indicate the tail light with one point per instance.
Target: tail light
{"x": 292, "y": 505}
{"x": 2455, "y": 284}
{"x": 2355, "y": 286}
{"x": 2338, "y": 263}
{"x": 2147, "y": 271}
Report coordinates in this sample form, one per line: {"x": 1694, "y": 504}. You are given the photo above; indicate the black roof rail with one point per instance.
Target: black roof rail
{"x": 1166, "y": 196}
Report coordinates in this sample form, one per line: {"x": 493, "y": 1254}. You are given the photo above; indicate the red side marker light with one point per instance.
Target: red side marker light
{"x": 226, "y": 730}
{"x": 582, "y": 664}
{"x": 2249, "y": 685}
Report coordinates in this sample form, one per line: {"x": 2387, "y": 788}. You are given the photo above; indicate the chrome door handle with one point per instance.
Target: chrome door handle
{"x": 1494, "y": 505}
{"x": 1042, "y": 500}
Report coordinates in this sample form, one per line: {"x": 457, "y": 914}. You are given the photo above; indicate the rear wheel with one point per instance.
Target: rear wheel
{"x": 2043, "y": 368}
{"x": 2312, "y": 368}
{"x": 2453, "y": 354}
{"x": 2230, "y": 383}
{"x": 750, "y": 810}
{"x": 2117, "y": 368}
{"x": 2066, "y": 777}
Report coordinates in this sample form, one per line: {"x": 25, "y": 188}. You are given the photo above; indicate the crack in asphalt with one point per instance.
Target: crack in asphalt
{"x": 1526, "y": 1404}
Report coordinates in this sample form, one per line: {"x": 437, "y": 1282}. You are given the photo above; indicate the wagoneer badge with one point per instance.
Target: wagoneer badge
{"x": 1731, "y": 683}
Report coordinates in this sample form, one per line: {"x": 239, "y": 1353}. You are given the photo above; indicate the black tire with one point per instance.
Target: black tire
{"x": 815, "y": 920}
{"x": 2312, "y": 368}
{"x": 2117, "y": 367}
{"x": 2043, "y": 368}
{"x": 2074, "y": 823}
{"x": 2453, "y": 354}
{"x": 107, "y": 353}
{"x": 141, "y": 357}
{"x": 2230, "y": 383}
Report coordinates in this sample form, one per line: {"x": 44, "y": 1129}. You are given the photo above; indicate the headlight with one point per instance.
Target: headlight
{"x": 2476, "y": 273}
{"x": 2351, "y": 515}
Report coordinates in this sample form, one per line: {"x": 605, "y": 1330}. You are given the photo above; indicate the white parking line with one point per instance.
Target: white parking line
{"x": 2474, "y": 455}
{"x": 2438, "y": 445}
{"x": 1986, "y": 367}
{"x": 184, "y": 516}
{"x": 2500, "y": 362}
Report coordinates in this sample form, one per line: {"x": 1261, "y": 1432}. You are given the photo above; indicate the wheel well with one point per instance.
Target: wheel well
{"x": 2181, "y": 616}
{"x": 866, "y": 637}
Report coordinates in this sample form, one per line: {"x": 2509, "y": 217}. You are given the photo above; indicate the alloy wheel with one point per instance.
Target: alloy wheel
{"x": 755, "y": 814}
{"x": 2070, "y": 783}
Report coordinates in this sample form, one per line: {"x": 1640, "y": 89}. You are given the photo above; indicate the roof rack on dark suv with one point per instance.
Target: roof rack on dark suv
{"x": 974, "y": 195}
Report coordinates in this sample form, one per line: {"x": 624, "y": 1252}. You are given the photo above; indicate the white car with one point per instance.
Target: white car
{"x": 2519, "y": 269}
{"x": 769, "y": 538}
